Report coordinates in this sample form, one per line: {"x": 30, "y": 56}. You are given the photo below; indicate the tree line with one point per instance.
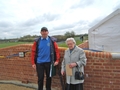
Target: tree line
{"x": 31, "y": 38}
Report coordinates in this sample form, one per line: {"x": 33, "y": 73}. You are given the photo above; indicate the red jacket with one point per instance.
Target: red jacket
{"x": 33, "y": 52}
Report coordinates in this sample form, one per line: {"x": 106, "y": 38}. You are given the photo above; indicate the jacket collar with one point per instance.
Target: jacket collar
{"x": 45, "y": 38}
{"x": 74, "y": 50}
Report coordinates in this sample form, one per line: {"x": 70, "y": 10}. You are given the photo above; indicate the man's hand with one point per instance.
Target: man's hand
{"x": 56, "y": 63}
{"x": 34, "y": 66}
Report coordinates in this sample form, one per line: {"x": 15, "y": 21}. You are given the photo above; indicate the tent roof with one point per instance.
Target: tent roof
{"x": 105, "y": 19}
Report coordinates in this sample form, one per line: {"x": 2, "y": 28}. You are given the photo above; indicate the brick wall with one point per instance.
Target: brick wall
{"x": 13, "y": 67}
{"x": 84, "y": 45}
{"x": 101, "y": 72}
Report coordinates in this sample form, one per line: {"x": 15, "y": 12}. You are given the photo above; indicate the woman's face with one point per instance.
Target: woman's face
{"x": 70, "y": 44}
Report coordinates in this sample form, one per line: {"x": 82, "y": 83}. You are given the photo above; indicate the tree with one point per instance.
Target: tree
{"x": 69, "y": 34}
{"x": 72, "y": 34}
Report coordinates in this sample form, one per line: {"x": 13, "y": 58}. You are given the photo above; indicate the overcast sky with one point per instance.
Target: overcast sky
{"x": 26, "y": 17}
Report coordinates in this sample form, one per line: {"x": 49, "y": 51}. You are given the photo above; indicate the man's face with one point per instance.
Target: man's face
{"x": 70, "y": 44}
{"x": 44, "y": 33}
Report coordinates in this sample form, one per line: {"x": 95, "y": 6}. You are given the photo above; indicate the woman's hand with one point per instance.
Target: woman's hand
{"x": 63, "y": 73}
{"x": 71, "y": 65}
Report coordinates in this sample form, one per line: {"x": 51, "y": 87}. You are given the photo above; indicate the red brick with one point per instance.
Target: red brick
{"x": 103, "y": 72}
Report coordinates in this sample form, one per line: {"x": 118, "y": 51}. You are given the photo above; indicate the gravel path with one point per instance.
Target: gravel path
{"x": 13, "y": 87}
{"x": 17, "y": 85}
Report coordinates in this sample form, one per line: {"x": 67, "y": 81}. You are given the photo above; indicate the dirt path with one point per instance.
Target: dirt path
{"x": 13, "y": 87}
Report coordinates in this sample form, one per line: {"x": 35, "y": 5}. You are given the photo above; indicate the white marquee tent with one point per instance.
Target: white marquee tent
{"x": 105, "y": 36}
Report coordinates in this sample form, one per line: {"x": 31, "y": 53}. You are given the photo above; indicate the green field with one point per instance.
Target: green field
{"x": 7, "y": 44}
{"x": 60, "y": 44}
{"x": 63, "y": 44}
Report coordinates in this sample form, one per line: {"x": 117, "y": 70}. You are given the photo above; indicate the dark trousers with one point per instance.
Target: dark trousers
{"x": 41, "y": 68}
{"x": 74, "y": 86}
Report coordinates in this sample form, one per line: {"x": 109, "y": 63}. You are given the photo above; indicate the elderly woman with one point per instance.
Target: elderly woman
{"x": 74, "y": 58}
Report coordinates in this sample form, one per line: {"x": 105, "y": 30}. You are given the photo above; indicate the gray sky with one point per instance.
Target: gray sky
{"x": 26, "y": 17}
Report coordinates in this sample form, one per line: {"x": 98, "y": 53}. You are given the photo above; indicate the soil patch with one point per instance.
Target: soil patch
{"x": 14, "y": 87}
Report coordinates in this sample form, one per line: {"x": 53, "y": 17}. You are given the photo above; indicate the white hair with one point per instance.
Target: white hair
{"x": 70, "y": 39}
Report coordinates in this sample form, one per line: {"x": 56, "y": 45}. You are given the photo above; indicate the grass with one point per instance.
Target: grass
{"x": 63, "y": 44}
{"x": 7, "y": 44}
{"x": 60, "y": 44}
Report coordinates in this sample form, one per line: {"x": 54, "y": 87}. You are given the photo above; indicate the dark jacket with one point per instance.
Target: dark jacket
{"x": 54, "y": 52}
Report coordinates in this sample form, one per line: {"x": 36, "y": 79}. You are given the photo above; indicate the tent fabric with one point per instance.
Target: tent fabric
{"x": 105, "y": 36}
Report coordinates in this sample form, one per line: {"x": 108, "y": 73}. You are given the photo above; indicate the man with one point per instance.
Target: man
{"x": 44, "y": 54}
{"x": 82, "y": 38}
